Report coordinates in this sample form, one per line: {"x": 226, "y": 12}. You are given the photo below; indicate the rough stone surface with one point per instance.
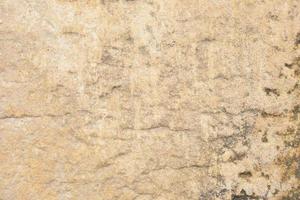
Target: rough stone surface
{"x": 149, "y": 99}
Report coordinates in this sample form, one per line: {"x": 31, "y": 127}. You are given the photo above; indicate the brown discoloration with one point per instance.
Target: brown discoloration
{"x": 289, "y": 160}
{"x": 73, "y": 31}
{"x": 244, "y": 196}
{"x": 90, "y": 3}
{"x": 297, "y": 40}
{"x": 292, "y": 194}
{"x": 289, "y": 164}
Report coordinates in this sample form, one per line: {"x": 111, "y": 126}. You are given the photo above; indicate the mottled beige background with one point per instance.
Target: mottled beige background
{"x": 149, "y": 99}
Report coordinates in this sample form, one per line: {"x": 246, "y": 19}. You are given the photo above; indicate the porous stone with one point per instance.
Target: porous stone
{"x": 149, "y": 100}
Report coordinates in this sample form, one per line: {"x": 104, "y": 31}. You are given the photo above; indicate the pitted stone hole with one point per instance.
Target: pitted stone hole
{"x": 244, "y": 196}
{"x": 245, "y": 174}
{"x": 270, "y": 91}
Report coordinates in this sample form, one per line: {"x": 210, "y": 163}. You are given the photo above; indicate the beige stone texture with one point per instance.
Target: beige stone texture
{"x": 149, "y": 99}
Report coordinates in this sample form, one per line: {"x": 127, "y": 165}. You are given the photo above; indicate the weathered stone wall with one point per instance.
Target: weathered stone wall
{"x": 149, "y": 99}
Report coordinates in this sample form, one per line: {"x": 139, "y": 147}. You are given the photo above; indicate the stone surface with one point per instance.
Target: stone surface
{"x": 149, "y": 99}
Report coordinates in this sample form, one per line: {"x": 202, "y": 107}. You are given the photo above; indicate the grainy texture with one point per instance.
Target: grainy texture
{"x": 149, "y": 99}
